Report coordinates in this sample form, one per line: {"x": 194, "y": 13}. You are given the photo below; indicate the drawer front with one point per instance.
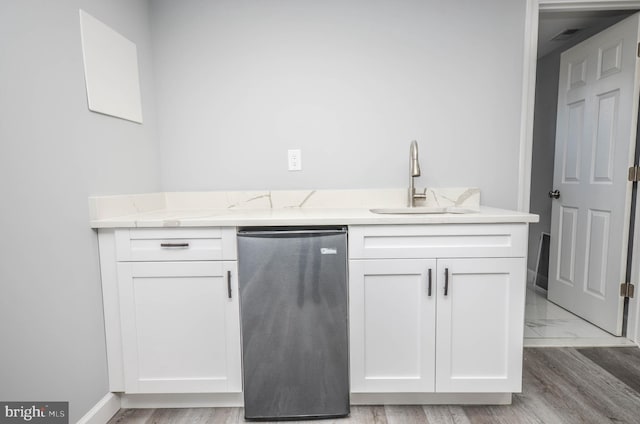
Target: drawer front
{"x": 442, "y": 240}
{"x": 176, "y": 244}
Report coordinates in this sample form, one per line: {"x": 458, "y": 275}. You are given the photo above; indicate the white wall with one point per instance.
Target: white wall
{"x": 351, "y": 83}
{"x": 54, "y": 154}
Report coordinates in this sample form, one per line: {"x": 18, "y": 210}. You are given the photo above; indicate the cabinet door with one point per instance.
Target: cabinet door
{"x": 480, "y": 325}
{"x": 392, "y": 325}
{"x": 180, "y": 327}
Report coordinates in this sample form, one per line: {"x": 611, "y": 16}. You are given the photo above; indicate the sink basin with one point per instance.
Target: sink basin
{"x": 422, "y": 210}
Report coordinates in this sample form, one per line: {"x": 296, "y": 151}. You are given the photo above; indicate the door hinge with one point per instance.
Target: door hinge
{"x": 638, "y": 49}
{"x": 634, "y": 173}
{"x": 627, "y": 290}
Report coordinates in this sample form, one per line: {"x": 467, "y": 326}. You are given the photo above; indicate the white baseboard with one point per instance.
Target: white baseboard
{"x": 108, "y": 406}
{"x": 579, "y": 342}
{"x": 182, "y": 400}
{"x": 430, "y": 398}
{"x": 102, "y": 411}
{"x": 531, "y": 277}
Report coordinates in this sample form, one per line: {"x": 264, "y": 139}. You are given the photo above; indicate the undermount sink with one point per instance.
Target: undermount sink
{"x": 422, "y": 210}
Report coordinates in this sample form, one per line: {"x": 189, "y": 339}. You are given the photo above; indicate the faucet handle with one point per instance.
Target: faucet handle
{"x": 420, "y": 195}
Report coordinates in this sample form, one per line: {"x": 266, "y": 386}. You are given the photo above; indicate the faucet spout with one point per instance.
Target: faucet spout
{"x": 413, "y": 155}
{"x": 414, "y": 171}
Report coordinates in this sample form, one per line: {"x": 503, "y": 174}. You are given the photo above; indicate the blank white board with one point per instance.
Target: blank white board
{"x": 111, "y": 70}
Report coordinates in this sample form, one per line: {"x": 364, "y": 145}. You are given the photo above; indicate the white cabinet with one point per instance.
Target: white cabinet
{"x": 432, "y": 308}
{"x": 392, "y": 325}
{"x": 480, "y": 323}
{"x": 465, "y": 335}
{"x": 171, "y": 310}
{"x": 180, "y": 327}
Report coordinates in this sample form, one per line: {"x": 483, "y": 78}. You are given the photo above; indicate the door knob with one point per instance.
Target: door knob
{"x": 555, "y": 194}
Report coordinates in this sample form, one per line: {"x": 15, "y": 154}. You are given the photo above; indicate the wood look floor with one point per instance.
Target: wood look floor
{"x": 560, "y": 386}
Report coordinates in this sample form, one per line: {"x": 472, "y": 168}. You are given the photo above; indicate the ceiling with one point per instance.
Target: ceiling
{"x": 552, "y": 24}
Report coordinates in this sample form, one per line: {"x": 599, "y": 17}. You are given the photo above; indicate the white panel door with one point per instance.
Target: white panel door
{"x": 392, "y": 325}
{"x": 478, "y": 344}
{"x": 595, "y": 141}
{"x": 180, "y": 327}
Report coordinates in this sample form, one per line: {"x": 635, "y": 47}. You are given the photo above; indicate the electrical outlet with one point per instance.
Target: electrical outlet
{"x": 295, "y": 160}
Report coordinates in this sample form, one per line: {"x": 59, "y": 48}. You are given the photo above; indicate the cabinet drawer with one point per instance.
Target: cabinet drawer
{"x": 442, "y": 240}
{"x": 176, "y": 244}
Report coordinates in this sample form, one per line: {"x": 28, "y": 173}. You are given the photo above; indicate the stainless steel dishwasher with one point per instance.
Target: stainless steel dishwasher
{"x": 293, "y": 305}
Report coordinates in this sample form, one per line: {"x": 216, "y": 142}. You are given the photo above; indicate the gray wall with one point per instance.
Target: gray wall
{"x": 544, "y": 140}
{"x": 351, "y": 83}
{"x": 55, "y": 153}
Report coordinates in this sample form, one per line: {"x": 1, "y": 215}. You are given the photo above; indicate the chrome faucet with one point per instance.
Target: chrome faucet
{"x": 414, "y": 171}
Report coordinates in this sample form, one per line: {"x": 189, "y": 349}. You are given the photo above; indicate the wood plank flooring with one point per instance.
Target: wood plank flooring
{"x": 560, "y": 386}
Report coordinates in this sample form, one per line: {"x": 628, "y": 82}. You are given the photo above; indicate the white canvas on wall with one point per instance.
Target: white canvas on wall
{"x": 111, "y": 70}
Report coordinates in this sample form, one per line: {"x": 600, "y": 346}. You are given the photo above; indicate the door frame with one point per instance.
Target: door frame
{"x": 532, "y": 10}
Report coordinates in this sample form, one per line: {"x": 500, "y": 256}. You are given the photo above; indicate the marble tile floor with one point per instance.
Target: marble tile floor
{"x": 547, "y": 324}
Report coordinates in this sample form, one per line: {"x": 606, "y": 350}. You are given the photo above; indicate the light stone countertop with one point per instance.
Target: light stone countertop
{"x": 310, "y": 207}
{"x": 326, "y": 216}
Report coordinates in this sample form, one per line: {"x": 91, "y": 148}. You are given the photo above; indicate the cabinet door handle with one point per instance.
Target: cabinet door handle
{"x": 174, "y": 245}
{"x": 229, "y": 284}
{"x": 446, "y": 281}
{"x": 429, "y": 286}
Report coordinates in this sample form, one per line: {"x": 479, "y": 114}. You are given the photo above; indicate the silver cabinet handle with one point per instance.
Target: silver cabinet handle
{"x": 174, "y": 245}
{"x": 429, "y": 286}
{"x": 229, "y": 284}
{"x": 446, "y": 281}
